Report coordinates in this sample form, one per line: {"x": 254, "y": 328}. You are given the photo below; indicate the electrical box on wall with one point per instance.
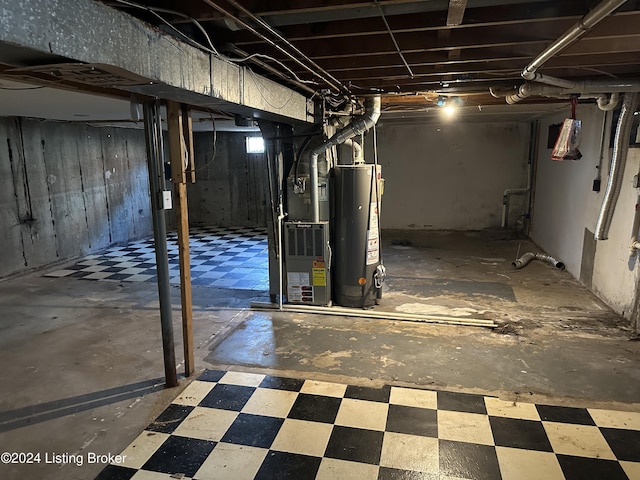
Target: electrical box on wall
{"x": 307, "y": 261}
{"x": 165, "y": 200}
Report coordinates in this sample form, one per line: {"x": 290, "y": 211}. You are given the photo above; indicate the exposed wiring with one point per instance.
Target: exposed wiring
{"x": 256, "y": 82}
{"x": 211, "y": 49}
{"x": 393, "y": 37}
{"x": 214, "y": 150}
{"x": 154, "y": 10}
{"x": 267, "y": 57}
{"x": 602, "y": 72}
{"x": 315, "y": 69}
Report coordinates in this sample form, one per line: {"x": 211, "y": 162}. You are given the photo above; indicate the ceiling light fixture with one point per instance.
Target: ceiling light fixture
{"x": 450, "y": 106}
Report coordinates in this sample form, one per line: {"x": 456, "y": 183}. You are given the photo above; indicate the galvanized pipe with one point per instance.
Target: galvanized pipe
{"x": 586, "y": 23}
{"x": 271, "y": 69}
{"x": 618, "y": 162}
{"x": 529, "y": 73}
{"x": 319, "y": 71}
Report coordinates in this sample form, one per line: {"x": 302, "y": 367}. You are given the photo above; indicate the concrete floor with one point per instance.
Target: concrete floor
{"x": 83, "y": 362}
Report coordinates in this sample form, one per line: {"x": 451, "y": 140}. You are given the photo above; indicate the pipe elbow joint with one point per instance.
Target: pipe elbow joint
{"x": 512, "y": 99}
{"x": 607, "y": 103}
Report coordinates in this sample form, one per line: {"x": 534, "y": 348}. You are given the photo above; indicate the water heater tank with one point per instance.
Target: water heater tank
{"x": 356, "y": 234}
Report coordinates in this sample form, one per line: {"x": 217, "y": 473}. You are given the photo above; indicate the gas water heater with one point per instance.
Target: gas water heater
{"x": 357, "y": 262}
{"x": 331, "y": 236}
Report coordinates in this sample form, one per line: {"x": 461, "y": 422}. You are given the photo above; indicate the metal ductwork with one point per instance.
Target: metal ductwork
{"x": 618, "y": 162}
{"x": 525, "y": 259}
{"x": 358, "y": 126}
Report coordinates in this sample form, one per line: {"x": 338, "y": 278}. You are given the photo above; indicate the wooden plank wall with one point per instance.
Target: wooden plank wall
{"x": 232, "y": 189}
{"x": 68, "y": 189}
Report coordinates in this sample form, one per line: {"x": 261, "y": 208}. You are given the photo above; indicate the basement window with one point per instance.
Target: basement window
{"x": 255, "y": 145}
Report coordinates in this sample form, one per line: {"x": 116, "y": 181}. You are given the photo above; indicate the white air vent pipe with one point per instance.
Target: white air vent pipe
{"x": 358, "y": 126}
{"x": 618, "y": 161}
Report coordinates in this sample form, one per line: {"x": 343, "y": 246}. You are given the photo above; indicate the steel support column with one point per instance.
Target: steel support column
{"x": 155, "y": 163}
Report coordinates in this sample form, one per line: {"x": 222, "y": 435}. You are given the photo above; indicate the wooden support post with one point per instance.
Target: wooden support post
{"x": 181, "y": 152}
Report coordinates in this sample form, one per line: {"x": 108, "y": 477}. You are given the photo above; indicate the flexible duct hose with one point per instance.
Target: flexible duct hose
{"x": 525, "y": 259}
{"x": 618, "y": 161}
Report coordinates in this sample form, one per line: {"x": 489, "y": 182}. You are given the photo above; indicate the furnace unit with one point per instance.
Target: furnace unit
{"x": 307, "y": 261}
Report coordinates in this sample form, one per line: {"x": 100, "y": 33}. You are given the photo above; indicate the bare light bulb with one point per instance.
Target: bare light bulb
{"x": 449, "y": 110}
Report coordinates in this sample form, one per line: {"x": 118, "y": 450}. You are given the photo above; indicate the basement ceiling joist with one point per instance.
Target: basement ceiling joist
{"x": 458, "y": 45}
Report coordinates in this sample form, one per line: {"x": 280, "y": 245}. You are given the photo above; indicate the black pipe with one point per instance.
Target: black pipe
{"x": 155, "y": 154}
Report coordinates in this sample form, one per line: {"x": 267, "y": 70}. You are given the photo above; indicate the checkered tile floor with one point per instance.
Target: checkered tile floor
{"x": 230, "y": 425}
{"x": 220, "y": 257}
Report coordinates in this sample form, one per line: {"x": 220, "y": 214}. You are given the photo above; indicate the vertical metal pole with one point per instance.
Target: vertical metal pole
{"x": 155, "y": 163}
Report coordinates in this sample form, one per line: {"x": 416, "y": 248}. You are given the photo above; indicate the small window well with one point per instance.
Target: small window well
{"x": 255, "y": 145}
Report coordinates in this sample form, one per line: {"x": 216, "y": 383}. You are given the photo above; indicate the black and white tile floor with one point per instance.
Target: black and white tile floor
{"x": 230, "y": 425}
{"x": 220, "y": 257}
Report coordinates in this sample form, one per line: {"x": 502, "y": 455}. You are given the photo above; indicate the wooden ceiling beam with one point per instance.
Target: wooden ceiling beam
{"x": 455, "y": 13}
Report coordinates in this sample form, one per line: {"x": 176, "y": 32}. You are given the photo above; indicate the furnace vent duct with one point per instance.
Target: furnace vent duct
{"x": 358, "y": 126}
{"x": 618, "y": 161}
{"x": 525, "y": 259}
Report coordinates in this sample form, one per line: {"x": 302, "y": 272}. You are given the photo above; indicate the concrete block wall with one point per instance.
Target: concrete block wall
{"x": 67, "y": 190}
{"x": 566, "y": 210}
{"x": 450, "y": 176}
{"x": 231, "y": 189}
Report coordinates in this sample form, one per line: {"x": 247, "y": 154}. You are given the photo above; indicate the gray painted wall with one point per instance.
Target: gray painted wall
{"x": 67, "y": 190}
{"x": 231, "y": 189}
{"x": 566, "y": 212}
{"x": 450, "y": 176}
